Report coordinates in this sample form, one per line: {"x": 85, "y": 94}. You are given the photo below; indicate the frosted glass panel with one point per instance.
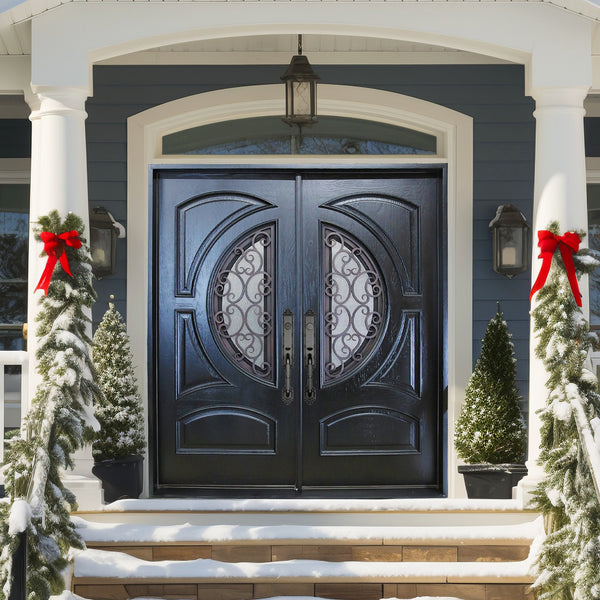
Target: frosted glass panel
{"x": 270, "y": 135}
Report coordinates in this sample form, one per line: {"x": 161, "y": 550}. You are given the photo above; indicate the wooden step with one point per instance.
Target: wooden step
{"x": 326, "y": 551}
{"x": 125, "y": 578}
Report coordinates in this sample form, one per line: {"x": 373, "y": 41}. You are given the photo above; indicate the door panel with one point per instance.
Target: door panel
{"x": 374, "y": 422}
{"x": 219, "y": 414}
{"x": 350, "y": 264}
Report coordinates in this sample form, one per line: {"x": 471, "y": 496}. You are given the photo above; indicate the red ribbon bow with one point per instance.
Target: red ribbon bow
{"x": 568, "y": 244}
{"x": 54, "y": 246}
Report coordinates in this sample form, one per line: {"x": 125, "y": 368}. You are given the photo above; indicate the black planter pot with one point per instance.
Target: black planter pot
{"x": 122, "y": 478}
{"x": 492, "y": 481}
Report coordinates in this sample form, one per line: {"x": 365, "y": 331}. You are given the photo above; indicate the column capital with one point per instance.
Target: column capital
{"x": 559, "y": 97}
{"x": 60, "y": 99}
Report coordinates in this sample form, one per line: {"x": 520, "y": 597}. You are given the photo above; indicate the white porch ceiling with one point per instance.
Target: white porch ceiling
{"x": 321, "y": 49}
{"x": 15, "y": 39}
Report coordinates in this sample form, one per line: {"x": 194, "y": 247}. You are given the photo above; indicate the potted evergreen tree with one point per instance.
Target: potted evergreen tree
{"x": 490, "y": 433}
{"x": 118, "y": 447}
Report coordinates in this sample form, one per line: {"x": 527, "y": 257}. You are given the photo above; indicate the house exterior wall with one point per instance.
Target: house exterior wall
{"x": 504, "y": 132}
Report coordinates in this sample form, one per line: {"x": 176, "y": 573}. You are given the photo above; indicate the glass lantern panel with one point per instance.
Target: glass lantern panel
{"x": 301, "y": 98}
{"x": 511, "y": 246}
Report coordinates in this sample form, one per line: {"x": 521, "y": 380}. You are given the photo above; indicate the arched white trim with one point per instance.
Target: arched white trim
{"x": 453, "y": 130}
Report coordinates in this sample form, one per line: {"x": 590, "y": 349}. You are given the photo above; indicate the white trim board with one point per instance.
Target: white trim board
{"x": 454, "y": 132}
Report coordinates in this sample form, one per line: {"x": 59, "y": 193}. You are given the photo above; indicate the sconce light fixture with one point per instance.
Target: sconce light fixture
{"x": 510, "y": 240}
{"x": 104, "y": 231}
{"x": 300, "y": 90}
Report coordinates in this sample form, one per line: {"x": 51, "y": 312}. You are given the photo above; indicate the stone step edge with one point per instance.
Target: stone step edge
{"x": 127, "y": 533}
{"x": 451, "y": 579}
{"x": 317, "y": 542}
{"x": 99, "y": 565}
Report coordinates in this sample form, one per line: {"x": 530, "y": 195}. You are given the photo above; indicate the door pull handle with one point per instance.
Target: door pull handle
{"x": 310, "y": 394}
{"x": 288, "y": 355}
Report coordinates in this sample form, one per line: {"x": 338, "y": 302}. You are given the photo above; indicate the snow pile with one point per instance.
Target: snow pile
{"x": 312, "y": 505}
{"x": 100, "y": 563}
{"x": 20, "y": 517}
{"x": 118, "y": 532}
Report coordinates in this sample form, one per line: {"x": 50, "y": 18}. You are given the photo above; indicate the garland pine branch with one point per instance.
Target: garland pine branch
{"x": 569, "y": 558}
{"x": 59, "y": 422}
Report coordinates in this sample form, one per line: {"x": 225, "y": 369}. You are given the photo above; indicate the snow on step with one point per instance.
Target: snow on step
{"x": 311, "y": 505}
{"x": 185, "y": 532}
{"x": 102, "y": 564}
{"x": 307, "y": 511}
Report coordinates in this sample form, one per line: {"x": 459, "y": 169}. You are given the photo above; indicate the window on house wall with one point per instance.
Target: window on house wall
{"x": 270, "y": 135}
{"x": 14, "y": 227}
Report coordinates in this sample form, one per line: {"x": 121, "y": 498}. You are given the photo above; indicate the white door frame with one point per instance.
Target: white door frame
{"x": 454, "y": 132}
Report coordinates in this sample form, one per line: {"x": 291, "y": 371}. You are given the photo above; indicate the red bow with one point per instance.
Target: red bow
{"x": 54, "y": 246}
{"x": 568, "y": 244}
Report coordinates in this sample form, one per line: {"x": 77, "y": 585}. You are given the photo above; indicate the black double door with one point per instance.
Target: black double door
{"x": 297, "y": 339}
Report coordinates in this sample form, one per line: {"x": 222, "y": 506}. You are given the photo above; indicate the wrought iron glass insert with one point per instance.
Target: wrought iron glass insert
{"x": 242, "y": 303}
{"x": 354, "y": 303}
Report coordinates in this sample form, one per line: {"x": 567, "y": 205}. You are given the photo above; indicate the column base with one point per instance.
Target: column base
{"x": 87, "y": 490}
{"x": 525, "y": 489}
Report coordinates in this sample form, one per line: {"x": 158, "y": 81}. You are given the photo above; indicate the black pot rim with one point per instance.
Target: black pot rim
{"x": 490, "y": 467}
{"x": 124, "y": 459}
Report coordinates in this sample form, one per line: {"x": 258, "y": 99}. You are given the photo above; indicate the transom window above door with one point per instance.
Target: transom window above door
{"x": 270, "y": 135}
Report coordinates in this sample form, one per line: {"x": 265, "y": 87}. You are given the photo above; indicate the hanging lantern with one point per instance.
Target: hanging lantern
{"x": 300, "y": 90}
{"x": 510, "y": 240}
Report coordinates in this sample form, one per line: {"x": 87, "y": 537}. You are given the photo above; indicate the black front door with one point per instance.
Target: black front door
{"x": 298, "y": 327}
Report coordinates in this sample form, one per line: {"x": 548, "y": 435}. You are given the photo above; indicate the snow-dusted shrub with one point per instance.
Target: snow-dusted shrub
{"x": 120, "y": 411}
{"x": 490, "y": 427}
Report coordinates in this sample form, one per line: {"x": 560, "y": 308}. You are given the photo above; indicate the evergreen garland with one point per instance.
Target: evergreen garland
{"x": 490, "y": 427}
{"x": 58, "y": 423}
{"x": 119, "y": 413}
{"x": 569, "y": 558}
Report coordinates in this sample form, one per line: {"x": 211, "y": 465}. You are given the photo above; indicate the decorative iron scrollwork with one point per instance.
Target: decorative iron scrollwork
{"x": 354, "y": 303}
{"x": 243, "y": 304}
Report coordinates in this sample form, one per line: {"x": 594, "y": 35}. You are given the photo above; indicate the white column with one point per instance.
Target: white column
{"x": 559, "y": 195}
{"x": 58, "y": 180}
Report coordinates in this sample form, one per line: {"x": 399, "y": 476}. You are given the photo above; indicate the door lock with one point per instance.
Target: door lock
{"x": 288, "y": 355}
{"x": 309, "y": 356}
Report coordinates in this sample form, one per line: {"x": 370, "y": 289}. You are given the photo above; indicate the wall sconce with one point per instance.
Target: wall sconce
{"x": 300, "y": 90}
{"x": 510, "y": 240}
{"x": 104, "y": 231}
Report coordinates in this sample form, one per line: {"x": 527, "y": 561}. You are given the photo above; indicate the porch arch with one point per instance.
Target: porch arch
{"x": 454, "y": 133}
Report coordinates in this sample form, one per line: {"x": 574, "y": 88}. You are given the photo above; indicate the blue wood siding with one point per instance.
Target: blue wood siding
{"x": 504, "y": 138}
{"x": 15, "y": 138}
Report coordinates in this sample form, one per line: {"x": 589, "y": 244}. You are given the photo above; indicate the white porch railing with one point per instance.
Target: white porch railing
{"x": 13, "y": 393}
{"x": 589, "y": 435}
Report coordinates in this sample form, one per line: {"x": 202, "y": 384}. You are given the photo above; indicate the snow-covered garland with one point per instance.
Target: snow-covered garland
{"x": 60, "y": 419}
{"x": 570, "y": 555}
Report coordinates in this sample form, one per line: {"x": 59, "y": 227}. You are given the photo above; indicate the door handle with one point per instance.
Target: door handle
{"x": 288, "y": 355}
{"x": 310, "y": 394}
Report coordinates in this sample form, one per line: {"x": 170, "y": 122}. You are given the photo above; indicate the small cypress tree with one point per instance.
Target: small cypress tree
{"x": 490, "y": 427}
{"x": 120, "y": 411}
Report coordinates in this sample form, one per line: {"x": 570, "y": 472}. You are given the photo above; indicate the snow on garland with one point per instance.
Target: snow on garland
{"x": 569, "y": 558}
{"x": 60, "y": 419}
